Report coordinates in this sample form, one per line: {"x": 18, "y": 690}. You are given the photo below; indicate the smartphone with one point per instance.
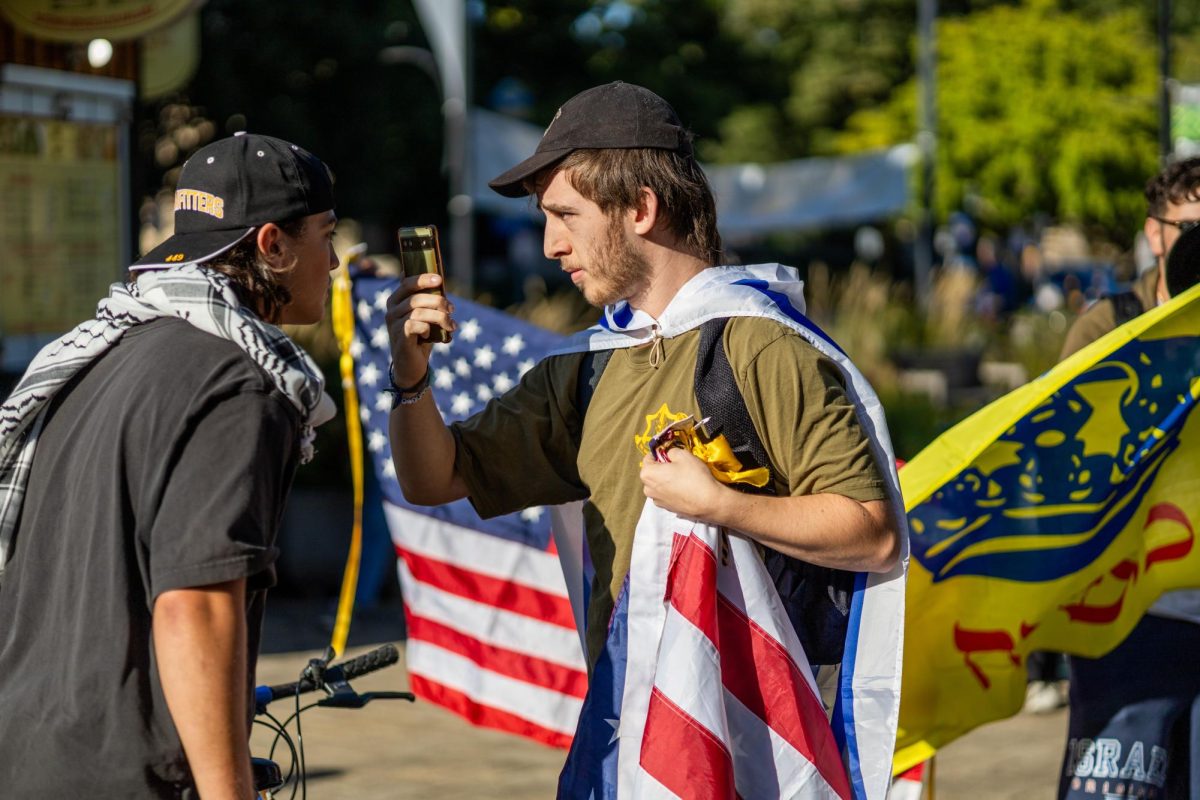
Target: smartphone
{"x": 419, "y": 253}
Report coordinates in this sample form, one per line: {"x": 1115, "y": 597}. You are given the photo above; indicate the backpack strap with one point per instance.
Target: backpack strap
{"x": 1126, "y": 306}
{"x": 720, "y": 400}
{"x": 816, "y": 599}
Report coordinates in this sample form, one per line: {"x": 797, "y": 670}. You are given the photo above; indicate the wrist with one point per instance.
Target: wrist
{"x": 408, "y": 387}
{"x": 724, "y": 506}
{"x": 407, "y": 395}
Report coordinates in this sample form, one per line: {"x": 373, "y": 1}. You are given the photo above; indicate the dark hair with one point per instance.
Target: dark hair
{"x": 257, "y": 284}
{"x": 613, "y": 179}
{"x": 1178, "y": 183}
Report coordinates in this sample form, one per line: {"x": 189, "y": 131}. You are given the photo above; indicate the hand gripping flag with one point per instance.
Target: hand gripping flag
{"x": 491, "y": 632}
{"x": 703, "y": 689}
{"x": 1050, "y": 520}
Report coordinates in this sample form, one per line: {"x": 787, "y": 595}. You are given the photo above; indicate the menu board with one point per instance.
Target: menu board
{"x": 60, "y": 222}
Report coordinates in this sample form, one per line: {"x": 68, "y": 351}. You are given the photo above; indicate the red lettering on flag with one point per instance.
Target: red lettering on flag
{"x": 969, "y": 642}
{"x": 1169, "y": 512}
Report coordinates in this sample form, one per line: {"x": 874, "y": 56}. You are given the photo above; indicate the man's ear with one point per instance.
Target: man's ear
{"x": 269, "y": 238}
{"x": 645, "y": 213}
{"x": 1153, "y": 231}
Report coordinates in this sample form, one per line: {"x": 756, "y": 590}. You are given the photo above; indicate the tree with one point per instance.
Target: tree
{"x": 1039, "y": 110}
{"x": 836, "y": 57}
{"x": 680, "y": 49}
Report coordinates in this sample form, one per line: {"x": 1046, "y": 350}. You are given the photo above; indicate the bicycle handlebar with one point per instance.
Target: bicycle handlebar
{"x": 380, "y": 657}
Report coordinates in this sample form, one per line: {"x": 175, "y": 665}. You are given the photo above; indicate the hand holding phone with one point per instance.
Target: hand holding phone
{"x": 420, "y": 254}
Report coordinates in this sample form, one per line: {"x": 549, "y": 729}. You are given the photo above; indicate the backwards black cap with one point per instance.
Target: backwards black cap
{"x": 613, "y": 116}
{"x": 232, "y": 186}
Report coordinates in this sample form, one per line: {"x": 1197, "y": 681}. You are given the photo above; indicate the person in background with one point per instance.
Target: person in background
{"x": 1173, "y": 204}
{"x": 1144, "y": 696}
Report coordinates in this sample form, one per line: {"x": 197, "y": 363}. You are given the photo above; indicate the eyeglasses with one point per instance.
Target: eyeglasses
{"x": 1184, "y": 225}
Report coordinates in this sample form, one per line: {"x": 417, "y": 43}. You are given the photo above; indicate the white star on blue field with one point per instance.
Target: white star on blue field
{"x": 488, "y": 355}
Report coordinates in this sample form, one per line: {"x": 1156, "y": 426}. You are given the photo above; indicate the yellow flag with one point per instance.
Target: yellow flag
{"x": 1050, "y": 520}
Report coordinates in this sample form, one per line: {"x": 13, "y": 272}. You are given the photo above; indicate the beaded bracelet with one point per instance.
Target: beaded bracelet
{"x": 401, "y": 396}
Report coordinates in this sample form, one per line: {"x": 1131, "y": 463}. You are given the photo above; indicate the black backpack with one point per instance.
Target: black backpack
{"x": 1126, "y": 306}
{"x": 817, "y": 599}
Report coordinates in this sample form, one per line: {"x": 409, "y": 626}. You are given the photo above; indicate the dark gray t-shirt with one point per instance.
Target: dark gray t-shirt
{"x": 164, "y": 465}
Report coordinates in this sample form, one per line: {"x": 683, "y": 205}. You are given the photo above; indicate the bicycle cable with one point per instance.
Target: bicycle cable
{"x": 303, "y": 782}
{"x": 281, "y": 734}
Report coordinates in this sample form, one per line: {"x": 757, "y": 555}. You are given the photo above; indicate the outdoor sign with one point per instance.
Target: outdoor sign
{"x": 60, "y": 222}
{"x": 84, "y": 20}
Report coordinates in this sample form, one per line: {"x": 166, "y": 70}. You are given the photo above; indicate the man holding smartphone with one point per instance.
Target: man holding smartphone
{"x": 145, "y": 459}
{"x": 631, "y": 219}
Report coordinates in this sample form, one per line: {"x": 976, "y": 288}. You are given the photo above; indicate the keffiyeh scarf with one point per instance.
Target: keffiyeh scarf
{"x": 194, "y": 293}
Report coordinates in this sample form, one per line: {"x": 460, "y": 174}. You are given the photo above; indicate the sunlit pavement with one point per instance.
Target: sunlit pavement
{"x": 394, "y": 749}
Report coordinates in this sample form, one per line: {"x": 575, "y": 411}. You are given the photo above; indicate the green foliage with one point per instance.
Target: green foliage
{"x": 1038, "y": 110}
{"x": 748, "y": 134}
{"x": 838, "y": 56}
{"x": 678, "y": 48}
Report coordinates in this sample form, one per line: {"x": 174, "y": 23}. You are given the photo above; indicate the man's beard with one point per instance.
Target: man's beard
{"x": 615, "y": 270}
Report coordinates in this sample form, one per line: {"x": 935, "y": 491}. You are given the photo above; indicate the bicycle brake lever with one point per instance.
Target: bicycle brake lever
{"x": 369, "y": 696}
{"x": 352, "y": 699}
{"x": 317, "y": 667}
{"x": 339, "y": 693}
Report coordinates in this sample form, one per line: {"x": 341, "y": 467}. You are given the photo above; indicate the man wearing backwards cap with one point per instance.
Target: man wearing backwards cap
{"x": 144, "y": 462}
{"x": 631, "y": 218}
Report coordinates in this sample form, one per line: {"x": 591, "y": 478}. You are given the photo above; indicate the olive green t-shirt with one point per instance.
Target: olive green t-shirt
{"x": 529, "y": 446}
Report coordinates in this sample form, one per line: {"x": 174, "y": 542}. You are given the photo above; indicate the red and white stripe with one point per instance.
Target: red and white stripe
{"x": 720, "y": 702}
{"x": 491, "y": 633}
{"x": 731, "y": 709}
{"x": 910, "y": 785}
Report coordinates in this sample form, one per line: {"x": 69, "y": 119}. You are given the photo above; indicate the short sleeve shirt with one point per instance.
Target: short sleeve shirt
{"x": 164, "y": 465}
{"x": 530, "y": 447}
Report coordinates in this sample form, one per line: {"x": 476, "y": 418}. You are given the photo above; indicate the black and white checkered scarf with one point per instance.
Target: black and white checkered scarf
{"x": 194, "y": 293}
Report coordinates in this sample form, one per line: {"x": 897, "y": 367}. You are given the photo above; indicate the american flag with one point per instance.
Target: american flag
{"x": 707, "y": 692}
{"x": 491, "y": 633}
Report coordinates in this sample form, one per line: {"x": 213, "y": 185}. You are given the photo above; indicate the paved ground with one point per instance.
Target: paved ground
{"x": 399, "y": 751}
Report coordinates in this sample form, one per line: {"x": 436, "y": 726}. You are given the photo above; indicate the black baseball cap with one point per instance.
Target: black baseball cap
{"x": 232, "y": 186}
{"x": 1183, "y": 262}
{"x": 613, "y": 116}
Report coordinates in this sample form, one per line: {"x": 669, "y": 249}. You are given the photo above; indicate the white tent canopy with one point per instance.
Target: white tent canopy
{"x": 752, "y": 199}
